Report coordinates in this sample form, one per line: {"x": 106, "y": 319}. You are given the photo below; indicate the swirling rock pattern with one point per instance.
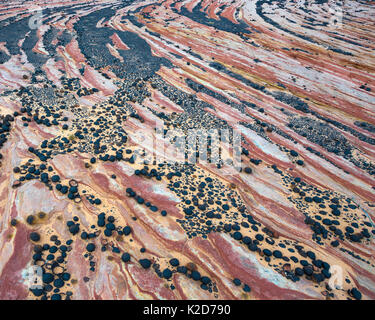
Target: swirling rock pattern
{"x": 79, "y": 80}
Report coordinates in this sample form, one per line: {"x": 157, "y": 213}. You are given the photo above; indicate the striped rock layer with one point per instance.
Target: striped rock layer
{"x": 85, "y": 84}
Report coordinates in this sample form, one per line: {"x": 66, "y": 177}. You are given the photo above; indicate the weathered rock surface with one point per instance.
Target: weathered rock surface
{"x": 84, "y": 85}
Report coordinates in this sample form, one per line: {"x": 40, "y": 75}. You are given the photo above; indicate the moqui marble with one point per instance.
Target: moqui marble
{"x": 103, "y": 197}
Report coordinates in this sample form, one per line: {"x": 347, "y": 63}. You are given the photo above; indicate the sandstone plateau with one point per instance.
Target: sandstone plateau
{"x": 87, "y": 88}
